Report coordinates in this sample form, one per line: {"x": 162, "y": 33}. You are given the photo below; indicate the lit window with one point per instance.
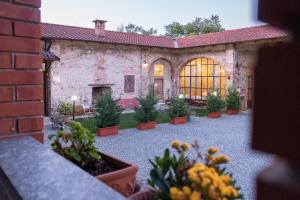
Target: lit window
{"x": 200, "y": 77}
{"x": 158, "y": 70}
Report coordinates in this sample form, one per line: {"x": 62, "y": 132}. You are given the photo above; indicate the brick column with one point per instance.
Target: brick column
{"x": 276, "y": 108}
{"x": 21, "y": 78}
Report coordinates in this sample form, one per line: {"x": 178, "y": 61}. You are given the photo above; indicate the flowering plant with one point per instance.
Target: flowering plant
{"x": 181, "y": 178}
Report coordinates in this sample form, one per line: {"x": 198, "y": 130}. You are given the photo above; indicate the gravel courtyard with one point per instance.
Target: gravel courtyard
{"x": 231, "y": 134}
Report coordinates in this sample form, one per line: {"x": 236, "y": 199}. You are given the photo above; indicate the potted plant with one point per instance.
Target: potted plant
{"x": 65, "y": 109}
{"x": 145, "y": 113}
{"x": 178, "y": 177}
{"x": 214, "y": 105}
{"x": 78, "y": 146}
{"x": 232, "y": 101}
{"x": 178, "y": 111}
{"x": 107, "y": 115}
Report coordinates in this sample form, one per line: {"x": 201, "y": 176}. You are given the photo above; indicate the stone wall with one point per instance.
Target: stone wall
{"x": 83, "y": 64}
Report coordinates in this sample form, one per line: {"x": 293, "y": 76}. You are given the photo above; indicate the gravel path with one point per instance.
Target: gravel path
{"x": 231, "y": 134}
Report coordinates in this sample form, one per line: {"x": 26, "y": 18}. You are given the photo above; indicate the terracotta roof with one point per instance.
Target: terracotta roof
{"x": 55, "y": 31}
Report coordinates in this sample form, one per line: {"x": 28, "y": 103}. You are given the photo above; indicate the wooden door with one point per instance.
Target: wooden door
{"x": 159, "y": 89}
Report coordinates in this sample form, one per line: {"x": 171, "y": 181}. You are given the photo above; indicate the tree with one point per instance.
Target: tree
{"x": 196, "y": 27}
{"x": 132, "y": 28}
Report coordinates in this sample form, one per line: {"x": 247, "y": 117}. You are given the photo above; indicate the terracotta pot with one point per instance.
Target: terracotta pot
{"x": 124, "y": 179}
{"x": 108, "y": 131}
{"x": 179, "y": 120}
{"x": 232, "y": 111}
{"x": 146, "y": 125}
{"x": 142, "y": 195}
{"x": 214, "y": 115}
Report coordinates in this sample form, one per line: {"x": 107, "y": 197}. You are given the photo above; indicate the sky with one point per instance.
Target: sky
{"x": 148, "y": 13}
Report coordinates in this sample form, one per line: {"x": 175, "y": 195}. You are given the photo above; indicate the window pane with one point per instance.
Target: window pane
{"x": 209, "y": 61}
{"x": 187, "y": 82}
{"x": 193, "y": 67}
{"x": 223, "y": 83}
{"x": 187, "y": 71}
{"x": 203, "y": 60}
{"x": 182, "y": 81}
{"x": 210, "y": 70}
{"x": 222, "y": 71}
{"x": 193, "y": 94}
{"x": 204, "y": 82}
{"x": 210, "y": 83}
{"x": 204, "y": 94}
{"x": 193, "y": 82}
{"x": 158, "y": 70}
{"x": 204, "y": 70}
{"x": 187, "y": 93}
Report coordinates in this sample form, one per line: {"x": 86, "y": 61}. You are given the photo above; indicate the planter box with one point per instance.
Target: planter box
{"x": 179, "y": 120}
{"x": 232, "y": 111}
{"x": 146, "y": 125}
{"x": 108, "y": 131}
{"x": 214, "y": 115}
{"x": 142, "y": 195}
{"x": 122, "y": 180}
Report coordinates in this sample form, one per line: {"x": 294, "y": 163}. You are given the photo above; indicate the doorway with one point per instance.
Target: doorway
{"x": 159, "y": 89}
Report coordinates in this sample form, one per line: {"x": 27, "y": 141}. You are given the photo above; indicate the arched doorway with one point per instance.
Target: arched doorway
{"x": 201, "y": 76}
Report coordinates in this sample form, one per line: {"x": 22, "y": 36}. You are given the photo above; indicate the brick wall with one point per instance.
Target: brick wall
{"x": 21, "y": 78}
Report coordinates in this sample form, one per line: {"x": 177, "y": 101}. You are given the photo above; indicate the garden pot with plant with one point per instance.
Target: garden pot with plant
{"x": 78, "y": 146}
{"x": 107, "y": 116}
{"x": 65, "y": 109}
{"x": 177, "y": 176}
{"x": 178, "y": 111}
{"x": 232, "y": 102}
{"x": 214, "y": 105}
{"x": 145, "y": 113}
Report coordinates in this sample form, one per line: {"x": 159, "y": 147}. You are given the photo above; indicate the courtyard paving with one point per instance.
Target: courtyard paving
{"x": 231, "y": 134}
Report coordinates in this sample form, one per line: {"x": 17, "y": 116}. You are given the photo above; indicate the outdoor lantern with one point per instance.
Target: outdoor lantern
{"x": 181, "y": 96}
{"x": 215, "y": 93}
{"x": 145, "y": 64}
{"x": 74, "y": 98}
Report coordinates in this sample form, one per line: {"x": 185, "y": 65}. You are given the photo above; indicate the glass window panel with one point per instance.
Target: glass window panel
{"x": 210, "y": 83}
{"x": 222, "y": 82}
{"x": 182, "y": 72}
{"x": 187, "y": 82}
{"x": 198, "y": 85}
{"x": 158, "y": 70}
{"x": 204, "y": 82}
{"x": 210, "y": 70}
{"x": 203, "y": 60}
{"x": 204, "y": 70}
{"x": 210, "y": 61}
{"x": 187, "y": 92}
{"x": 193, "y": 73}
{"x": 193, "y": 94}
{"x": 222, "y": 71}
{"x": 193, "y": 62}
{"x": 199, "y": 69}
{"x": 187, "y": 70}
{"x": 217, "y": 82}
{"x": 204, "y": 94}
{"x": 193, "y": 82}
{"x": 182, "y": 81}
{"x": 198, "y": 93}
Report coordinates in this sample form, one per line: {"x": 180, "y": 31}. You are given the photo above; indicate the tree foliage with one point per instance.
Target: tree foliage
{"x": 132, "y": 28}
{"x": 146, "y": 111}
{"x": 196, "y": 27}
{"x": 232, "y": 99}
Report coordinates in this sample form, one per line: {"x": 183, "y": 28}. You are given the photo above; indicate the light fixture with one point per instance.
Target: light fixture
{"x": 215, "y": 93}
{"x": 181, "y": 96}
{"x": 239, "y": 90}
{"x": 155, "y": 85}
{"x": 74, "y": 98}
{"x": 145, "y": 64}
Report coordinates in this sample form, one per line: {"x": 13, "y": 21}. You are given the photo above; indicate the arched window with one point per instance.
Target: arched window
{"x": 200, "y": 77}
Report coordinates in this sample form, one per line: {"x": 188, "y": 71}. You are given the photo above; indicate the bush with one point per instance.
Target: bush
{"x": 65, "y": 108}
{"x": 77, "y": 146}
{"x": 232, "y": 99}
{"x": 177, "y": 176}
{"x": 146, "y": 110}
{"x": 178, "y": 108}
{"x": 214, "y": 103}
{"x": 108, "y": 112}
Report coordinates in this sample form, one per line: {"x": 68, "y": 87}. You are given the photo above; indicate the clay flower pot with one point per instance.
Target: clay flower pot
{"x": 146, "y": 125}
{"x": 179, "y": 120}
{"x": 142, "y": 195}
{"x": 108, "y": 131}
{"x": 214, "y": 115}
{"x": 232, "y": 111}
{"x": 122, "y": 180}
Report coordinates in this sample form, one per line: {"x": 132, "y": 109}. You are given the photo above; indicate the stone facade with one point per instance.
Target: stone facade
{"x": 84, "y": 65}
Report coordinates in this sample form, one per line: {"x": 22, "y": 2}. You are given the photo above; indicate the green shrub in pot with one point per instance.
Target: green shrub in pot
{"x": 232, "y": 99}
{"x": 65, "y": 108}
{"x": 178, "y": 108}
{"x": 146, "y": 110}
{"x": 214, "y": 103}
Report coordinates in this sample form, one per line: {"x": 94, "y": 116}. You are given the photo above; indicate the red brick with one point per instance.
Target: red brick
{"x": 16, "y": 44}
{"x": 6, "y": 94}
{"x": 14, "y": 11}
{"x": 21, "y": 77}
{"x": 30, "y": 124}
{"x": 5, "y": 27}
{"x": 277, "y": 12}
{"x": 27, "y": 29}
{"x": 17, "y": 109}
{"x": 6, "y": 126}
{"x": 28, "y": 62}
{"x": 5, "y": 61}
{"x": 34, "y": 3}
{"x": 39, "y": 136}
{"x": 30, "y": 93}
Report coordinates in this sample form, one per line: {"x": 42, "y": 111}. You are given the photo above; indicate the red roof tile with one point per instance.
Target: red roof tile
{"x": 55, "y": 31}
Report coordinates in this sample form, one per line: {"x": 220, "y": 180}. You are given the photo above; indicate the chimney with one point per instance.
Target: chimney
{"x": 100, "y": 27}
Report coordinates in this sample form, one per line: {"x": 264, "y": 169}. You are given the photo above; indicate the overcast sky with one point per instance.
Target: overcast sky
{"x": 148, "y": 13}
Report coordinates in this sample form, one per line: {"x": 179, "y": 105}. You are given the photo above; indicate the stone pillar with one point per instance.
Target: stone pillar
{"x": 21, "y": 78}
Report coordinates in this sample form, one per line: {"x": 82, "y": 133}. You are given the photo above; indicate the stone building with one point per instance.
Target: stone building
{"x": 89, "y": 62}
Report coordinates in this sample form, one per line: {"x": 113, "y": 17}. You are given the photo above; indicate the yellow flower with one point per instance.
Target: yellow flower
{"x": 176, "y": 144}
{"x": 174, "y": 193}
{"x": 222, "y": 159}
{"x": 212, "y": 150}
{"x": 185, "y": 147}
{"x": 195, "y": 196}
{"x": 187, "y": 191}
